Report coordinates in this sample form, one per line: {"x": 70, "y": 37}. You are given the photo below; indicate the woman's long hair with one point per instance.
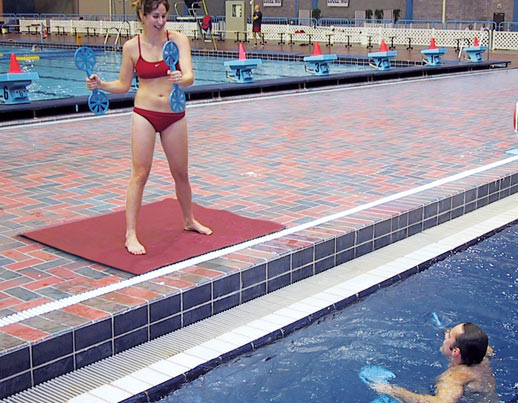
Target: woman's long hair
{"x": 146, "y": 6}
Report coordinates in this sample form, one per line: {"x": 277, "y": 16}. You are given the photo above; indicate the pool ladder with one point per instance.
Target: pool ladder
{"x": 117, "y": 44}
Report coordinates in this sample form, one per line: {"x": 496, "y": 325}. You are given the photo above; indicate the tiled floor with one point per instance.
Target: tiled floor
{"x": 288, "y": 158}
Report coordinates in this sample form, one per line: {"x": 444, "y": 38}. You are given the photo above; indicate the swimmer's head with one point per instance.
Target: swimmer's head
{"x": 465, "y": 343}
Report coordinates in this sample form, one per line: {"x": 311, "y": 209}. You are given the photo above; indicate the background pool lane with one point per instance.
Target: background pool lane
{"x": 60, "y": 78}
{"x": 393, "y": 328}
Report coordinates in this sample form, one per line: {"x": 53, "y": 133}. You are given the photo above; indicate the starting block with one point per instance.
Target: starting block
{"x": 241, "y": 69}
{"x": 475, "y": 52}
{"x": 14, "y": 84}
{"x": 433, "y": 56}
{"x": 382, "y": 57}
{"x": 318, "y": 63}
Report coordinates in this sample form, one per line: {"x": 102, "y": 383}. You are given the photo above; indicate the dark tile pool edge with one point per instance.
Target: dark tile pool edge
{"x": 78, "y": 347}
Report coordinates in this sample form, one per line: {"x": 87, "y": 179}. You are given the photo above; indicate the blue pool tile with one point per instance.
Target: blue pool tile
{"x": 15, "y": 384}
{"x": 197, "y": 296}
{"x": 165, "y": 326}
{"x": 415, "y": 216}
{"x": 278, "y": 266}
{"x": 53, "y": 370}
{"x": 302, "y": 273}
{"x": 346, "y": 241}
{"x": 482, "y": 202}
{"x": 383, "y": 241}
{"x": 432, "y": 222}
{"x": 364, "y": 249}
{"x": 457, "y": 201}
{"x": 130, "y": 320}
{"x": 197, "y": 314}
{"x": 482, "y": 190}
{"x": 279, "y": 282}
{"x": 324, "y": 249}
{"x": 400, "y": 221}
{"x": 470, "y": 207}
{"x": 51, "y": 349}
{"x": 470, "y": 195}
{"x": 302, "y": 257}
{"x": 324, "y": 264}
{"x": 345, "y": 256}
{"x": 130, "y": 340}
{"x": 254, "y": 275}
{"x": 399, "y": 235}
{"x": 226, "y": 303}
{"x": 94, "y": 354}
{"x": 93, "y": 334}
{"x": 226, "y": 285}
{"x": 415, "y": 229}
{"x": 164, "y": 308}
{"x": 430, "y": 210}
{"x": 365, "y": 234}
{"x": 15, "y": 362}
{"x": 253, "y": 292}
{"x": 445, "y": 205}
{"x": 382, "y": 228}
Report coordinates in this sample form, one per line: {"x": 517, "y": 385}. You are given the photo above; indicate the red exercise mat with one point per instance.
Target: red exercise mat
{"x": 160, "y": 229}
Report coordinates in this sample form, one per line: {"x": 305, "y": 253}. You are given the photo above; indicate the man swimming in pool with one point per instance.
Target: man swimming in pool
{"x": 469, "y": 372}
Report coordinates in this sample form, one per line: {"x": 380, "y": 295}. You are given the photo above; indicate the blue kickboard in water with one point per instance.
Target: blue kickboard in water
{"x": 374, "y": 373}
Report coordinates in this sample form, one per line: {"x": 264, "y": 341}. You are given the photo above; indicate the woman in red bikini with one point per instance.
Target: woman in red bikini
{"x": 153, "y": 114}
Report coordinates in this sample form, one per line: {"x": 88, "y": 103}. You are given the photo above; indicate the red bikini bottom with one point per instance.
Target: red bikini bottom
{"x": 159, "y": 120}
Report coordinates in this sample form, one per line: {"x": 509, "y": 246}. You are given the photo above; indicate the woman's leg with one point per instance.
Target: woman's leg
{"x": 142, "y": 146}
{"x": 175, "y": 144}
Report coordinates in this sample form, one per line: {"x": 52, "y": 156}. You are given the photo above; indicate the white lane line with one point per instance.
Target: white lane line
{"x": 51, "y": 306}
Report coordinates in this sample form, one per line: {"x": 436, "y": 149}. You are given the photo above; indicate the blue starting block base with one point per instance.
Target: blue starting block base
{"x": 433, "y": 56}
{"x": 13, "y": 87}
{"x": 475, "y": 53}
{"x": 382, "y": 59}
{"x": 241, "y": 70}
{"x": 319, "y": 64}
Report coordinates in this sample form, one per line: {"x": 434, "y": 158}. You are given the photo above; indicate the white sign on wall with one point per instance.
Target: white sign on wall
{"x": 272, "y": 3}
{"x": 338, "y": 3}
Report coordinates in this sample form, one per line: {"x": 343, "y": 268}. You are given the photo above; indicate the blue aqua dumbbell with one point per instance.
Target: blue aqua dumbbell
{"x": 84, "y": 58}
{"x": 177, "y": 99}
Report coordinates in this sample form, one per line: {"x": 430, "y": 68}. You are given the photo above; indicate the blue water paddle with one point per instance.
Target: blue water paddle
{"x": 85, "y": 60}
{"x": 171, "y": 54}
{"x": 373, "y": 373}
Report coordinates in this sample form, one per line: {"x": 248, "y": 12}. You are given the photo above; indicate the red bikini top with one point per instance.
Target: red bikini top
{"x": 145, "y": 69}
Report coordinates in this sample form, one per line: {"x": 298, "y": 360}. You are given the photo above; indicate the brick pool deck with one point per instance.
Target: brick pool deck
{"x": 291, "y": 158}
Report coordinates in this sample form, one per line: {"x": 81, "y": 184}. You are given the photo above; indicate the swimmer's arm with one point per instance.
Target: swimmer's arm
{"x": 185, "y": 60}
{"x": 449, "y": 389}
{"x": 121, "y": 85}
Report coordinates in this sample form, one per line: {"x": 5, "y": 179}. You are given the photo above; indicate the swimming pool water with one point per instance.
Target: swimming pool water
{"x": 60, "y": 78}
{"x": 393, "y": 328}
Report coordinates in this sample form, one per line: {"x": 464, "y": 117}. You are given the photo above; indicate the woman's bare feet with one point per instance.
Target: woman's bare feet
{"x": 134, "y": 246}
{"x": 196, "y": 226}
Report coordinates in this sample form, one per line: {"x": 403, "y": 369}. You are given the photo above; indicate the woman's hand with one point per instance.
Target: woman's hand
{"x": 93, "y": 82}
{"x": 175, "y": 76}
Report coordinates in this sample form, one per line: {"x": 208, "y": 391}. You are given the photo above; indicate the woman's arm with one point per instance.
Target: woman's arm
{"x": 121, "y": 85}
{"x": 184, "y": 47}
